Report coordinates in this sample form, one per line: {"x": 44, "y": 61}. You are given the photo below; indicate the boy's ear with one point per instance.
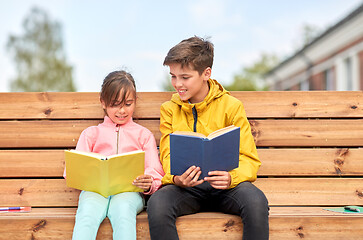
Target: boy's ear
{"x": 207, "y": 73}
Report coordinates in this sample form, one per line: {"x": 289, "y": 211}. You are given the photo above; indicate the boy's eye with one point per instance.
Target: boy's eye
{"x": 185, "y": 78}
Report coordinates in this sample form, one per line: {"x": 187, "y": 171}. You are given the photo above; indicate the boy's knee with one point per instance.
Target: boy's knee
{"x": 160, "y": 204}
{"x": 155, "y": 204}
{"x": 257, "y": 210}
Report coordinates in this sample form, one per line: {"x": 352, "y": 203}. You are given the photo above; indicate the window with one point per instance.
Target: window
{"x": 348, "y": 73}
{"x": 329, "y": 79}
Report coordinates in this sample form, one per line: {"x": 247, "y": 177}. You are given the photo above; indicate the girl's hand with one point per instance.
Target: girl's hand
{"x": 189, "y": 178}
{"x": 219, "y": 179}
{"x": 143, "y": 181}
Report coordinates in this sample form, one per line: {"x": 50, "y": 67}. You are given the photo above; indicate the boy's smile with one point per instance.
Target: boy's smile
{"x": 188, "y": 83}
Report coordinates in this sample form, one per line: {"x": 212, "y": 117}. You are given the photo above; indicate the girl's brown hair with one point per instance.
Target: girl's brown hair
{"x": 115, "y": 84}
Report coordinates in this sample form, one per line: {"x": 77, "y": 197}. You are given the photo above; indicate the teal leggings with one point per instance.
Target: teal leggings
{"x": 121, "y": 209}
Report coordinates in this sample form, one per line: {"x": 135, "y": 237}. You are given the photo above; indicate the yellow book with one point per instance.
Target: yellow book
{"x": 104, "y": 175}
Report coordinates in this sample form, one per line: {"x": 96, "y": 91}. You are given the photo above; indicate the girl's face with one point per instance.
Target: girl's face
{"x": 121, "y": 113}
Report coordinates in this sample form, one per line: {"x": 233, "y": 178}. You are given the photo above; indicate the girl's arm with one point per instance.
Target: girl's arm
{"x": 84, "y": 143}
{"x": 152, "y": 163}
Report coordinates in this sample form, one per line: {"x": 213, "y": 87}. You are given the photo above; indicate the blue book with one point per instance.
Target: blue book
{"x": 217, "y": 151}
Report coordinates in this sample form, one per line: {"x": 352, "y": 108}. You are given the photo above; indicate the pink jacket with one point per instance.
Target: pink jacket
{"x": 130, "y": 136}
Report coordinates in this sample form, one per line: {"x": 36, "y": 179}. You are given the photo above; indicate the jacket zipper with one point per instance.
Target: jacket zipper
{"x": 117, "y": 140}
{"x": 195, "y": 116}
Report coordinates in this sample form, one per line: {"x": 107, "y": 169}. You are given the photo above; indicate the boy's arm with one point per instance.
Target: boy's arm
{"x": 249, "y": 162}
{"x": 190, "y": 177}
{"x": 165, "y": 129}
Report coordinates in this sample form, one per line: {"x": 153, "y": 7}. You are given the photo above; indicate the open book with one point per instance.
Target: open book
{"x": 104, "y": 175}
{"x": 217, "y": 151}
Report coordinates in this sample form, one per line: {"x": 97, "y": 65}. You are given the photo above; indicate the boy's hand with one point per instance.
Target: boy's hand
{"x": 189, "y": 178}
{"x": 143, "y": 181}
{"x": 219, "y": 179}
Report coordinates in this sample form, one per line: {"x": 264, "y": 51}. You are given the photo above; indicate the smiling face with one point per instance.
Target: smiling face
{"x": 121, "y": 110}
{"x": 189, "y": 84}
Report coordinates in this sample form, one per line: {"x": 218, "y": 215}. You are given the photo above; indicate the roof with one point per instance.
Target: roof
{"x": 346, "y": 19}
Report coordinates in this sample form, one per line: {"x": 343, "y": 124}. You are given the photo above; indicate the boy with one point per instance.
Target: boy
{"x": 203, "y": 105}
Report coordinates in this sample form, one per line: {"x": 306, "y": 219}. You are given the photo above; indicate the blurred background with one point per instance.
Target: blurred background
{"x": 260, "y": 45}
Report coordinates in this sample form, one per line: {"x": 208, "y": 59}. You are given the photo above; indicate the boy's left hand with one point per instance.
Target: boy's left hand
{"x": 219, "y": 179}
{"x": 143, "y": 181}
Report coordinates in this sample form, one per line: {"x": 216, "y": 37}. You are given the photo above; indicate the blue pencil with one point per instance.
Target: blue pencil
{"x": 11, "y": 208}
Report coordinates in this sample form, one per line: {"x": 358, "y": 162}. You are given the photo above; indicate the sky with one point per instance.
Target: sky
{"x": 103, "y": 36}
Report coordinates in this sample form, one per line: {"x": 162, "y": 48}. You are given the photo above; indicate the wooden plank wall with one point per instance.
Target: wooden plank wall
{"x": 298, "y": 134}
{"x": 310, "y": 145}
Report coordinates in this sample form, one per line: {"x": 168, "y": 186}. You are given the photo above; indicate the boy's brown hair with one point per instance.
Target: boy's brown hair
{"x": 195, "y": 52}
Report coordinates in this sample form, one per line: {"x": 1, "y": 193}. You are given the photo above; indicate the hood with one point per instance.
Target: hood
{"x": 216, "y": 90}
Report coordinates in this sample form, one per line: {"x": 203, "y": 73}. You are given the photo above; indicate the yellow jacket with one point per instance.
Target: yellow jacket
{"x": 217, "y": 110}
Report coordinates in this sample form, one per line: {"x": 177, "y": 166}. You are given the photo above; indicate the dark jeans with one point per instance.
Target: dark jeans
{"x": 171, "y": 201}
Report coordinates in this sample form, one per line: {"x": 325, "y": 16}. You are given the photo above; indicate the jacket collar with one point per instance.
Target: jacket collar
{"x": 216, "y": 90}
{"x": 109, "y": 123}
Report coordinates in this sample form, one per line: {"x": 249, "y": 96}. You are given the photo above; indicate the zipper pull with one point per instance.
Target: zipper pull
{"x": 117, "y": 137}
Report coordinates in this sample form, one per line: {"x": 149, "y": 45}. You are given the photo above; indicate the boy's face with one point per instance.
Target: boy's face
{"x": 188, "y": 83}
{"x": 121, "y": 113}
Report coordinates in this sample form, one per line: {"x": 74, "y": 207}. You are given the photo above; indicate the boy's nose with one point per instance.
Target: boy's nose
{"x": 178, "y": 83}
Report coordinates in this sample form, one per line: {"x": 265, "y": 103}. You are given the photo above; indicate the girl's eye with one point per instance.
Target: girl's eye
{"x": 116, "y": 104}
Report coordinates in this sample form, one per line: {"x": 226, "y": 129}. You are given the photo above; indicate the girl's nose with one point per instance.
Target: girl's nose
{"x": 121, "y": 109}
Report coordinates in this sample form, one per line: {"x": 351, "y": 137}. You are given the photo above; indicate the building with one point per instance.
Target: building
{"x": 332, "y": 61}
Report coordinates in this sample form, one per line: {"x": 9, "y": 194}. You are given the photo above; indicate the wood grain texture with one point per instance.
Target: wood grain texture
{"x": 266, "y": 133}
{"x": 269, "y": 104}
{"x": 285, "y": 223}
{"x": 310, "y": 145}
{"x": 298, "y": 191}
{"x": 275, "y": 162}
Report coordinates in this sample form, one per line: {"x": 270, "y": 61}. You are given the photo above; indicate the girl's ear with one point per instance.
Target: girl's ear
{"x": 103, "y": 104}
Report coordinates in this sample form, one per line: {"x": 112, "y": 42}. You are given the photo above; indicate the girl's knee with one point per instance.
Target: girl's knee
{"x": 126, "y": 204}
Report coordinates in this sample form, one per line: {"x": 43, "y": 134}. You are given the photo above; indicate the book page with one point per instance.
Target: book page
{"x": 124, "y": 154}
{"x": 221, "y": 131}
{"x": 91, "y": 154}
{"x": 185, "y": 133}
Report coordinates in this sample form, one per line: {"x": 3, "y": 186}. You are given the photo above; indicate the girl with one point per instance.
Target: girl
{"x": 118, "y": 133}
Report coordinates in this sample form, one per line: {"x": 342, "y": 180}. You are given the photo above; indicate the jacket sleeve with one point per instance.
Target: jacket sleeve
{"x": 249, "y": 162}
{"x": 165, "y": 129}
{"x": 152, "y": 163}
{"x": 84, "y": 143}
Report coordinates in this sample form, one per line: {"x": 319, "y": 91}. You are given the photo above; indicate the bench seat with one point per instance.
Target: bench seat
{"x": 310, "y": 145}
{"x": 285, "y": 223}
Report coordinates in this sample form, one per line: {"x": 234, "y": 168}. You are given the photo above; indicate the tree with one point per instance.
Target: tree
{"x": 308, "y": 34}
{"x": 166, "y": 84}
{"x": 38, "y": 54}
{"x": 250, "y": 78}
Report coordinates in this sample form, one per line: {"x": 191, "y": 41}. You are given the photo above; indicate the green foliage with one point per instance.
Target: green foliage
{"x": 38, "y": 54}
{"x": 166, "y": 84}
{"x": 250, "y": 78}
{"x": 308, "y": 34}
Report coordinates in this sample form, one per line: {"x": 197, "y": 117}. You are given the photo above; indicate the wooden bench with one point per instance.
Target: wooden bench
{"x": 310, "y": 145}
